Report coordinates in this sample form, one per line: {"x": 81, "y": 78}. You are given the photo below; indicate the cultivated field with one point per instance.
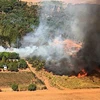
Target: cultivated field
{"x": 23, "y": 79}
{"x": 20, "y": 78}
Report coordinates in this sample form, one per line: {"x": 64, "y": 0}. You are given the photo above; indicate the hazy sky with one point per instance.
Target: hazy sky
{"x": 69, "y": 1}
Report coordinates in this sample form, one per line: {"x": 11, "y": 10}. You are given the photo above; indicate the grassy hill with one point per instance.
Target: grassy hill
{"x": 73, "y": 82}
{"x": 23, "y": 79}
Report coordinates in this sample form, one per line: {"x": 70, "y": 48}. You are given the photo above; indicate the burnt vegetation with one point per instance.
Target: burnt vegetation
{"x": 89, "y": 53}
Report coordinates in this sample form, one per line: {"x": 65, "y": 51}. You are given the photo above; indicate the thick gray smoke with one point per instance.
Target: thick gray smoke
{"x": 58, "y": 23}
{"x": 90, "y": 52}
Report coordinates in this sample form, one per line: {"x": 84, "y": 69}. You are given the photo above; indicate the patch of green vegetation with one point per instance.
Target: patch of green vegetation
{"x": 32, "y": 87}
{"x": 37, "y": 62}
{"x": 8, "y": 55}
{"x": 14, "y": 87}
{"x": 16, "y": 19}
{"x": 12, "y": 61}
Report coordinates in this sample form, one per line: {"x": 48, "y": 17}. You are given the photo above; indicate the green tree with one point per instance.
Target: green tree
{"x": 16, "y": 19}
{"x": 14, "y": 55}
{"x": 6, "y": 54}
{"x": 22, "y": 64}
{"x": 13, "y": 67}
{"x": 1, "y": 55}
{"x": 14, "y": 87}
{"x": 1, "y": 65}
{"x": 32, "y": 87}
{"x": 3, "y": 59}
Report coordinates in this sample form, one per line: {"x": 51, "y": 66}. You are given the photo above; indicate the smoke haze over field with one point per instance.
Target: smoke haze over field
{"x": 60, "y": 22}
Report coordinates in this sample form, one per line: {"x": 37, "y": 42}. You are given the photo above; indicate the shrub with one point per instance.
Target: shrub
{"x": 15, "y": 87}
{"x": 22, "y": 64}
{"x": 0, "y": 90}
{"x": 32, "y": 87}
{"x": 1, "y": 65}
{"x": 8, "y": 55}
{"x": 13, "y": 67}
{"x": 13, "y": 55}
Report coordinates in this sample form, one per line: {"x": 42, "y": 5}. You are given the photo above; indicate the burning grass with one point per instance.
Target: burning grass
{"x": 73, "y": 82}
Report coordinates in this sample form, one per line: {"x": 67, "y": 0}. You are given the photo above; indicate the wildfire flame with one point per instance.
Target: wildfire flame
{"x": 70, "y": 46}
{"x": 82, "y": 73}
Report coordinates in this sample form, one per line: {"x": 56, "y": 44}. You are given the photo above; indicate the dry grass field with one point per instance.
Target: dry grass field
{"x": 12, "y": 77}
{"x": 23, "y": 79}
{"x": 53, "y": 95}
{"x": 72, "y": 82}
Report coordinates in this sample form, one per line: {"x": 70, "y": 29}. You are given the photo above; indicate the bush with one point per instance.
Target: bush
{"x": 32, "y": 87}
{"x": 15, "y": 87}
{"x": 13, "y": 67}
{"x": 1, "y": 64}
{"x": 22, "y": 64}
{"x": 37, "y": 62}
{"x": 14, "y": 55}
{"x": 0, "y": 90}
{"x": 8, "y": 55}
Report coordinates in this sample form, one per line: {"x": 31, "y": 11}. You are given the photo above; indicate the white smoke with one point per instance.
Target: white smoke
{"x": 58, "y": 22}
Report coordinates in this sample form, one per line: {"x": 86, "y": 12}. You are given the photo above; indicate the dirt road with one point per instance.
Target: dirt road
{"x": 52, "y": 93}
{"x": 43, "y": 78}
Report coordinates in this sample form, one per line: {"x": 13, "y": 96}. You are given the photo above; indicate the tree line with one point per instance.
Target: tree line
{"x": 16, "y": 19}
{"x": 37, "y": 62}
{"x": 12, "y": 61}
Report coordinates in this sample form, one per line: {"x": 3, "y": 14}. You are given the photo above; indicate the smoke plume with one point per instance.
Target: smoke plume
{"x": 91, "y": 47}
{"x": 60, "y": 22}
